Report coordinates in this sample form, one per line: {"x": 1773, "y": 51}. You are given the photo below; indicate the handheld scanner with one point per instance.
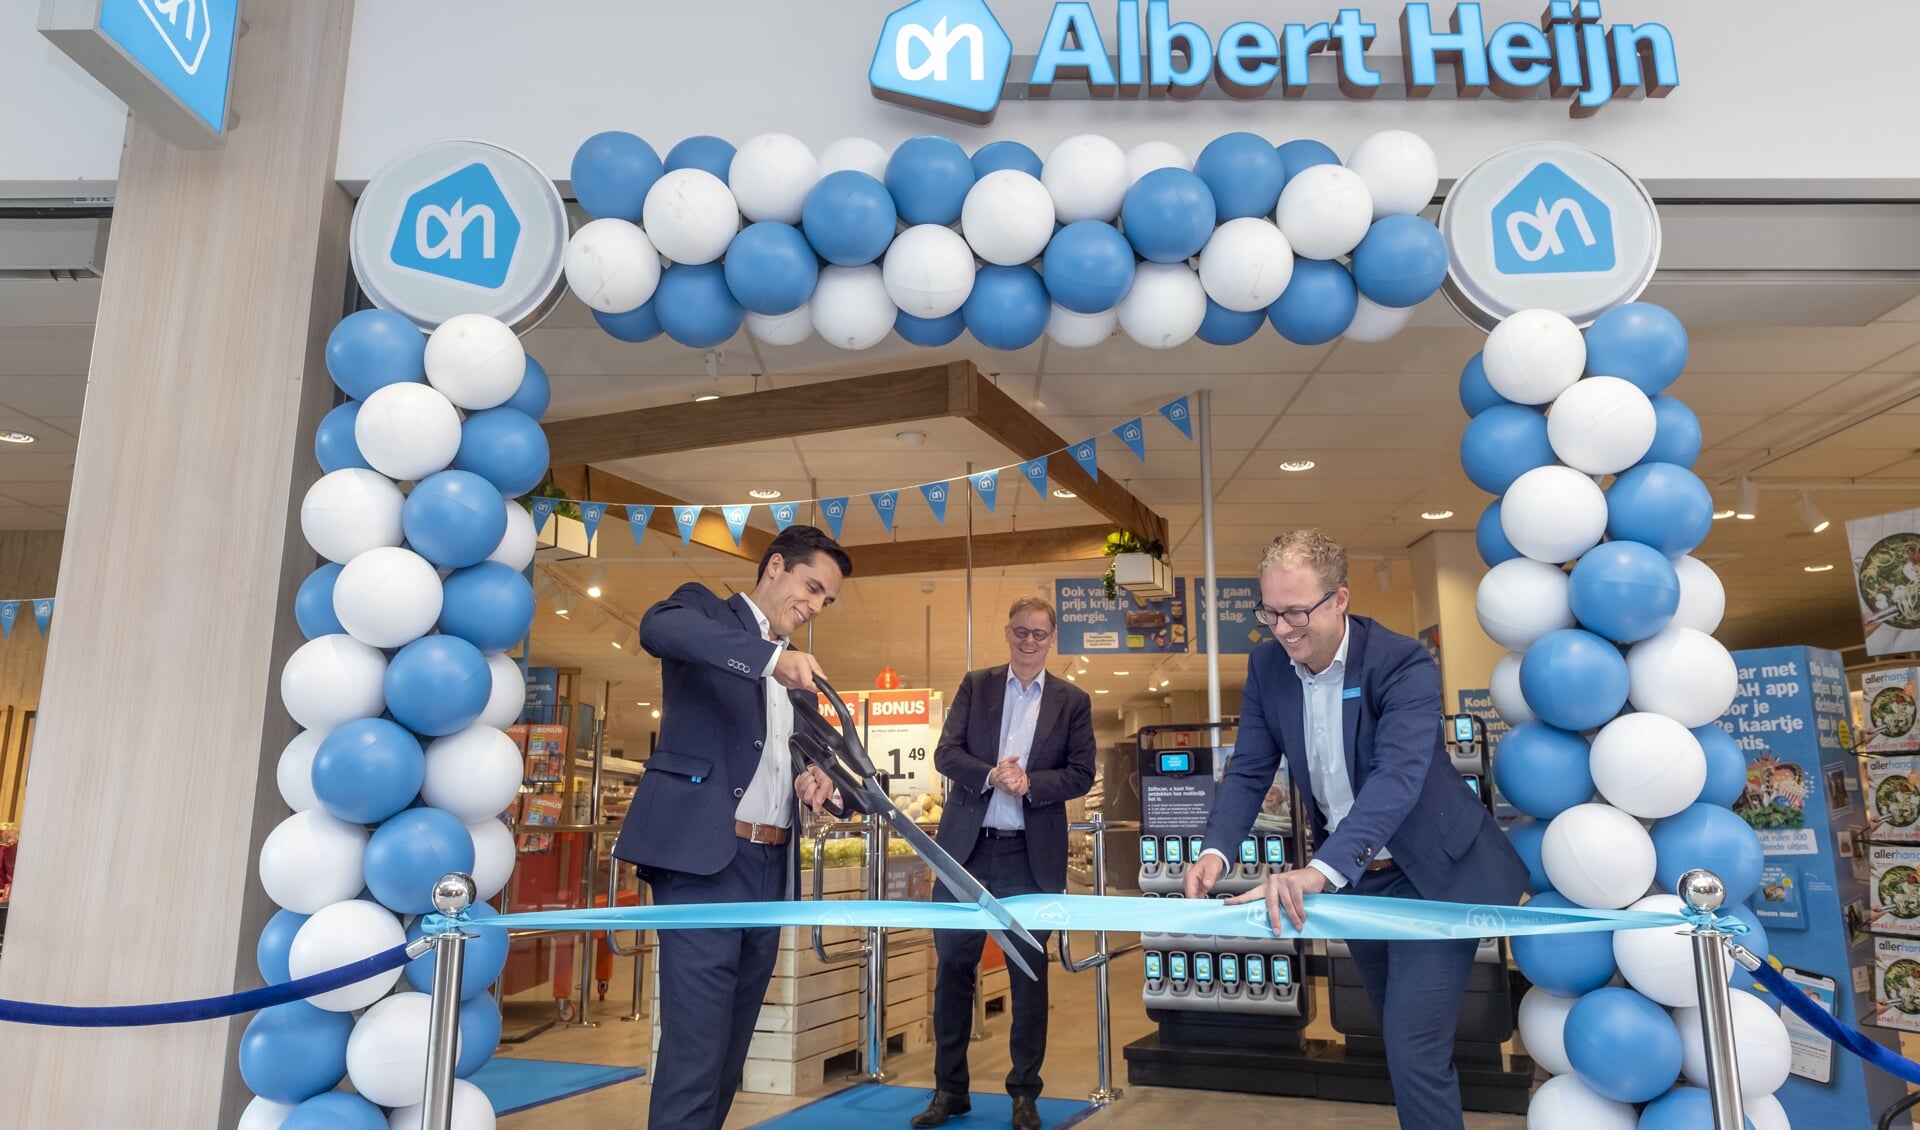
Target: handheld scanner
{"x": 1203, "y": 969}
{"x": 1276, "y": 850}
{"x": 1249, "y": 852}
{"x": 1256, "y": 971}
{"x": 1177, "y": 969}
{"x": 1155, "y": 967}
{"x": 1149, "y": 851}
{"x": 1282, "y": 968}
{"x": 1195, "y": 845}
{"x": 1174, "y": 845}
{"x": 1229, "y": 969}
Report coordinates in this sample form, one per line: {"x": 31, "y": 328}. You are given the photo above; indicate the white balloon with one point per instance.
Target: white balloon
{"x": 1703, "y": 599}
{"x": 612, "y": 266}
{"x": 407, "y": 431}
{"x": 1601, "y": 425}
{"x": 1762, "y": 1050}
{"x": 263, "y": 1114}
{"x": 1508, "y": 700}
{"x": 471, "y": 1111}
{"x": 516, "y": 547}
{"x": 790, "y": 328}
{"x": 1598, "y": 856}
{"x": 475, "y": 361}
{"x": 928, "y": 271}
{"x": 1246, "y": 263}
{"x": 1325, "y": 211}
{"x": 341, "y": 934}
{"x": 509, "y": 695}
{"x": 387, "y": 1051}
{"x": 1373, "y": 322}
{"x": 333, "y": 679}
{"x": 349, "y": 511}
{"x": 850, "y": 306}
{"x": 1648, "y": 765}
{"x": 1682, "y": 673}
{"x": 1519, "y": 601}
{"x": 690, "y": 216}
{"x": 1565, "y": 1103}
{"x": 1764, "y": 1111}
{"x": 294, "y": 773}
{"x": 312, "y": 860}
{"x": 770, "y": 176}
{"x": 1081, "y": 331}
{"x": 1165, "y": 305}
{"x": 1533, "y": 356}
{"x": 859, "y": 154}
{"x": 1554, "y": 514}
{"x": 388, "y": 597}
{"x": 1400, "y": 169}
{"x": 1007, "y": 217}
{"x": 494, "y": 854}
{"x": 1087, "y": 176}
{"x": 1658, "y": 962}
{"x": 473, "y": 774}
{"x": 1543, "y": 1028}
{"x": 1150, "y": 155}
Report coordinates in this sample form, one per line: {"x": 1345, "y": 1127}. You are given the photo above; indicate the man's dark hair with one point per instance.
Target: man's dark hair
{"x": 798, "y": 545}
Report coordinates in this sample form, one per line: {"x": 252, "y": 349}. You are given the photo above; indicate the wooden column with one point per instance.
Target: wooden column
{"x": 151, "y": 787}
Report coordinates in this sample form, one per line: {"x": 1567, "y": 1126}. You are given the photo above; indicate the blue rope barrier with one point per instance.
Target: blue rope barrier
{"x": 1832, "y": 1028}
{"x": 205, "y": 1008}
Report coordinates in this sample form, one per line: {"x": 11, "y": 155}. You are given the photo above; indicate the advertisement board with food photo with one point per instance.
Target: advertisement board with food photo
{"x": 1886, "y": 572}
{"x": 1893, "y": 888}
{"x": 1889, "y": 702}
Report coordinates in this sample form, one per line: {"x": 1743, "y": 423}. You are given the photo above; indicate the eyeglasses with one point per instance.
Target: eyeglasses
{"x": 1294, "y": 616}
{"x": 1037, "y": 635}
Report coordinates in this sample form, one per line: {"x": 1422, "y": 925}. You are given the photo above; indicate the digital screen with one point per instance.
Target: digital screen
{"x": 1463, "y": 728}
{"x": 1249, "y": 851}
{"x": 1176, "y": 763}
{"x": 1173, "y": 849}
{"x": 1177, "y": 966}
{"x": 1276, "y": 850}
{"x": 1256, "y": 969}
{"x": 1153, "y": 966}
{"x": 1229, "y": 969}
{"x": 1203, "y": 968}
{"x": 1282, "y": 970}
{"x": 1195, "y": 845}
{"x": 1149, "y": 849}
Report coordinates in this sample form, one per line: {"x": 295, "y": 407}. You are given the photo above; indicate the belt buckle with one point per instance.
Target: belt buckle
{"x": 754, "y": 836}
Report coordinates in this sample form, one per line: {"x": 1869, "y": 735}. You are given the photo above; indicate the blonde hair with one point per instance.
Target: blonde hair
{"x": 1310, "y": 547}
{"x": 1032, "y": 604}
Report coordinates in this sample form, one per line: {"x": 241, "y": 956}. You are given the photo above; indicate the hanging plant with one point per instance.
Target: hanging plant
{"x": 1126, "y": 541}
{"x": 567, "y": 507}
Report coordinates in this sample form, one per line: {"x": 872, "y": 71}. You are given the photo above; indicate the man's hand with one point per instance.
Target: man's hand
{"x": 1286, "y": 890}
{"x": 814, "y": 788}
{"x": 1009, "y": 777}
{"x": 796, "y": 670}
{"x": 1204, "y": 873}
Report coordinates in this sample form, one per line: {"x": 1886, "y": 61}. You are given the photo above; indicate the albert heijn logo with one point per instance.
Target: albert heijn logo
{"x": 943, "y": 56}
{"x": 1551, "y": 224}
{"x": 460, "y": 227}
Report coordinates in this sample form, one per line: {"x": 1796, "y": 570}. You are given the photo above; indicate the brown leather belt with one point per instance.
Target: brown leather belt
{"x": 760, "y": 833}
{"x": 1376, "y": 865}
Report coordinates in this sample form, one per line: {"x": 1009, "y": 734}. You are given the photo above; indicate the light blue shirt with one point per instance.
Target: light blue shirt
{"x": 1323, "y": 730}
{"x": 1018, "y": 718}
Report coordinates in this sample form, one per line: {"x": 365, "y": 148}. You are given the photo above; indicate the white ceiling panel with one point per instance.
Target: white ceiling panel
{"x": 1433, "y": 395}
{"x": 1790, "y": 349}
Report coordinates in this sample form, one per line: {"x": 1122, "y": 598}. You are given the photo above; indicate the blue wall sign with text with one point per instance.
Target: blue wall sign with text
{"x": 1090, "y": 624}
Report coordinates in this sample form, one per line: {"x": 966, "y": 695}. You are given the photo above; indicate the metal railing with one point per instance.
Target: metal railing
{"x": 873, "y": 950}
{"x": 1099, "y": 960}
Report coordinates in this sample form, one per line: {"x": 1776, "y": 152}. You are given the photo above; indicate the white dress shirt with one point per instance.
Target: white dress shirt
{"x": 1018, "y": 718}
{"x": 768, "y": 798}
{"x": 1323, "y": 729}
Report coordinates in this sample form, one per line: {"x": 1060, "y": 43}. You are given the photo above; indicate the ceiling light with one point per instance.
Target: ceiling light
{"x": 911, "y": 438}
{"x": 1810, "y": 514}
{"x": 1123, "y": 672}
{"x": 593, "y": 591}
{"x": 703, "y": 397}
{"x": 1099, "y": 690}
{"x": 1297, "y": 465}
{"x": 563, "y": 603}
{"x": 616, "y": 645}
{"x": 1383, "y": 577}
{"x": 1071, "y": 679}
{"x": 656, "y": 714}
{"x": 1164, "y": 682}
{"x": 763, "y": 492}
{"x": 16, "y": 437}
{"x": 1719, "y": 514}
{"x": 1746, "y": 506}
{"x": 1818, "y": 568}
{"x": 643, "y": 704}
{"x": 1436, "y": 515}
{"x": 1063, "y": 492}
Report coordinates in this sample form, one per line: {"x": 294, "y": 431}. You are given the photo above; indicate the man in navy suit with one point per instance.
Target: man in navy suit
{"x": 1355, "y": 709}
{"x": 712, "y": 817}
{"x": 1017, "y": 745}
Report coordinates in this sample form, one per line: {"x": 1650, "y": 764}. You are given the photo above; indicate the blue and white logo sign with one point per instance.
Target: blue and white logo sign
{"x": 945, "y": 56}
{"x": 1547, "y": 225}
{"x": 461, "y": 228}
{"x": 171, "y": 61}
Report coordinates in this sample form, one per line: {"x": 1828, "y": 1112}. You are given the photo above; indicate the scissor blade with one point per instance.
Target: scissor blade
{"x": 958, "y": 880}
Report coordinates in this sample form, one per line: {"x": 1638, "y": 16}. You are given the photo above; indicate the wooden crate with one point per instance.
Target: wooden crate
{"x": 824, "y": 982}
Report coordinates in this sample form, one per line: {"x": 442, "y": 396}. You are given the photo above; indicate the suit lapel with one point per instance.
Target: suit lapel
{"x": 1350, "y": 706}
{"x": 995, "y": 696}
{"x": 1053, "y": 699}
{"x": 1285, "y": 724}
{"x": 738, "y": 602}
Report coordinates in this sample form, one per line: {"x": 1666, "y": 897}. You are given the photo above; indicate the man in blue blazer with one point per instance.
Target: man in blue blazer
{"x": 1355, "y": 709}
{"x": 713, "y": 815}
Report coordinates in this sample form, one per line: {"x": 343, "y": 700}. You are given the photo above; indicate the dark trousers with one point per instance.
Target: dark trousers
{"x": 711, "y": 986}
{"x": 1001, "y": 866}
{"x": 1416, "y": 989}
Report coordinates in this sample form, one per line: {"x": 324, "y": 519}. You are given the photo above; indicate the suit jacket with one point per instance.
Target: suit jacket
{"x": 713, "y": 725}
{"x": 1408, "y": 798}
{"x": 1059, "y": 767}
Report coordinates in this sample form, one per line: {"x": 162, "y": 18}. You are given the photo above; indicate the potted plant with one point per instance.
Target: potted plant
{"x": 1137, "y": 565}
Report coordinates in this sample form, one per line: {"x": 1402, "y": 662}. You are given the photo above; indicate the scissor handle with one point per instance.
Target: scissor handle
{"x": 855, "y": 750}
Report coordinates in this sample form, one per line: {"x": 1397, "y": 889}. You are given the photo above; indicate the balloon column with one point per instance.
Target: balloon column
{"x": 927, "y": 241}
{"x": 403, "y": 691}
{"x": 1613, "y": 685}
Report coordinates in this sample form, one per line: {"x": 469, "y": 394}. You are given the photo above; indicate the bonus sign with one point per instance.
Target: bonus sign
{"x": 899, "y": 737}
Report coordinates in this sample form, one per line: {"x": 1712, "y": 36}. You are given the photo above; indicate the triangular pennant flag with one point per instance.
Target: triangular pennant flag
{"x": 1035, "y": 471}
{"x": 686, "y": 517}
{"x": 736, "y": 517}
{"x": 43, "y": 614}
{"x": 784, "y": 514}
{"x": 1130, "y": 435}
{"x": 543, "y": 509}
{"x": 9, "y": 612}
{"x": 638, "y": 517}
{"x": 936, "y": 496}
{"x": 987, "y": 484}
{"x": 1177, "y": 415}
{"x": 590, "y": 515}
{"x": 885, "y": 501}
{"x": 1086, "y": 453}
{"x": 835, "y": 510}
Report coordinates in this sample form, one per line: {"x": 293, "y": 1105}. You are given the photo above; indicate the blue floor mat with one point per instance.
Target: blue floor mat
{"x": 884, "y": 1106}
{"x": 521, "y": 1084}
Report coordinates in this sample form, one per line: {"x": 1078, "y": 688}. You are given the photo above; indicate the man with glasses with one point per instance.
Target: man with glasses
{"x": 1355, "y": 709}
{"x": 1017, "y": 746}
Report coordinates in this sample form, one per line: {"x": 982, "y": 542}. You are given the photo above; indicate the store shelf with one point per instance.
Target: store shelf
{"x": 618, "y": 766}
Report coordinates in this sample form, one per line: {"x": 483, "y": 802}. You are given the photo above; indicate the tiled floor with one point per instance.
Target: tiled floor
{"x": 1070, "y": 1072}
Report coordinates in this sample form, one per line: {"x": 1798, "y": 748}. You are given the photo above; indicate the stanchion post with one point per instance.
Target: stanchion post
{"x": 1105, "y": 1092}
{"x": 874, "y": 1067}
{"x": 1704, "y": 892}
{"x": 452, "y": 895}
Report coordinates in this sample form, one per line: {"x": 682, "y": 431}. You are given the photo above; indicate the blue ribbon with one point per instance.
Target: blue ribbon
{"x": 1829, "y": 1025}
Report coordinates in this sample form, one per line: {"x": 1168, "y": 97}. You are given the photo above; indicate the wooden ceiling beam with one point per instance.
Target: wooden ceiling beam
{"x": 583, "y": 483}
{"x": 990, "y": 551}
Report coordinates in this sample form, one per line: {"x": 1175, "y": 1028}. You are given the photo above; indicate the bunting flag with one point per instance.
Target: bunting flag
{"x": 9, "y": 612}
{"x": 835, "y": 510}
{"x": 43, "y": 614}
{"x": 1131, "y": 435}
{"x": 1035, "y": 471}
{"x": 884, "y": 501}
{"x": 687, "y": 517}
{"x": 590, "y": 515}
{"x": 638, "y": 517}
{"x": 543, "y": 509}
{"x": 783, "y": 515}
{"x": 936, "y": 495}
{"x": 1177, "y": 414}
{"x": 736, "y": 517}
{"x": 1086, "y": 453}
{"x": 987, "y": 484}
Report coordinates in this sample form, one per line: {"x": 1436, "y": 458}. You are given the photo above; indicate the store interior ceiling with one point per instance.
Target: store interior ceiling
{"x": 1806, "y": 380}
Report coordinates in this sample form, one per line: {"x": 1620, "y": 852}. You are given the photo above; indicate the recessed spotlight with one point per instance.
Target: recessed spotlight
{"x": 911, "y": 438}
{"x": 1071, "y": 679}
{"x": 703, "y": 397}
{"x": 643, "y": 704}
{"x": 616, "y": 645}
{"x": 16, "y": 437}
{"x": 1297, "y": 465}
{"x": 1719, "y": 514}
{"x": 1099, "y": 690}
{"x": 763, "y": 492}
{"x": 1818, "y": 568}
{"x": 1063, "y": 492}
{"x": 1123, "y": 673}
{"x": 1165, "y": 682}
{"x": 1436, "y": 515}
{"x": 656, "y": 714}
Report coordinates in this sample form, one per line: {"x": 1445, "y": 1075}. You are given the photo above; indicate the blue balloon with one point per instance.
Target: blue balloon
{"x": 486, "y": 956}
{"x": 1624, "y": 591}
{"x": 1168, "y": 215}
{"x": 1676, "y": 433}
{"x": 535, "y": 392}
{"x": 1491, "y": 539}
{"x": 1726, "y": 765}
{"x": 1318, "y": 304}
{"x": 489, "y": 605}
{"x": 1683, "y": 1108}
{"x": 1660, "y": 505}
{"x": 409, "y": 853}
{"x": 336, "y": 1110}
{"x": 313, "y": 604}
{"x": 1008, "y": 308}
{"x": 454, "y": 519}
{"x": 1298, "y": 156}
{"x": 438, "y": 685}
{"x": 1401, "y": 261}
{"x": 1543, "y": 771}
{"x": 1754, "y": 940}
{"x": 928, "y": 177}
{"x": 695, "y": 307}
{"x": 1476, "y": 394}
{"x": 771, "y": 268}
{"x": 1638, "y": 342}
{"x": 276, "y": 940}
{"x": 702, "y": 152}
{"x": 333, "y": 442}
{"x": 1622, "y": 1045}
{"x": 1244, "y": 174}
{"x": 997, "y": 155}
{"x": 479, "y": 1034}
{"x": 292, "y": 1052}
{"x": 1526, "y": 835}
{"x": 1222, "y": 326}
{"x": 371, "y": 349}
{"x": 367, "y": 770}
{"x": 611, "y": 174}
{"x": 1566, "y": 965}
{"x": 1503, "y": 443}
{"x": 636, "y": 325}
{"x": 1573, "y": 680}
{"x": 1088, "y": 267}
{"x": 504, "y": 447}
{"x": 849, "y": 218}
{"x": 1706, "y": 835}
{"x": 929, "y": 332}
